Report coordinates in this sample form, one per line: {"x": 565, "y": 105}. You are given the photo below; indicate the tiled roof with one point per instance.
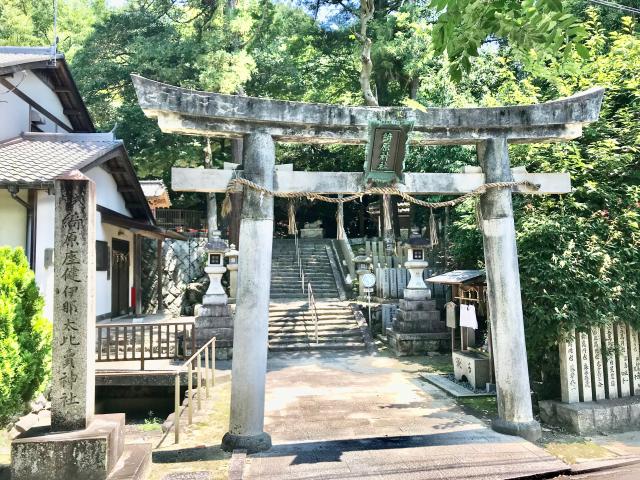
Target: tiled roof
{"x": 153, "y": 188}
{"x": 10, "y": 56}
{"x": 37, "y": 158}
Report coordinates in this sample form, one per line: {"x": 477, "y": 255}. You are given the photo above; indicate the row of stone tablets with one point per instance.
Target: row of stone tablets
{"x": 391, "y": 282}
{"x": 604, "y": 363}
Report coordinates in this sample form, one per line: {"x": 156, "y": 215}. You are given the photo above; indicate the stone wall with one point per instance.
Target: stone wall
{"x": 183, "y": 278}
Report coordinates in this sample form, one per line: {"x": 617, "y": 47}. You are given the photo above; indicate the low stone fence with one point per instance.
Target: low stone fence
{"x": 605, "y": 363}
{"x": 600, "y": 381}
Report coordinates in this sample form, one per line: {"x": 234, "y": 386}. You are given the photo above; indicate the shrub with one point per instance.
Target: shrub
{"x": 25, "y": 335}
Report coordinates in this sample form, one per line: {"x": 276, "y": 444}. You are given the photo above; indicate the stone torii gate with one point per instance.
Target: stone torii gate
{"x": 261, "y": 122}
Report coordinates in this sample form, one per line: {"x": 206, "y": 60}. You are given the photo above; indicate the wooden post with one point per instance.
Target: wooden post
{"x": 199, "y": 380}
{"x": 137, "y": 273}
{"x": 190, "y": 392}
{"x": 176, "y": 410}
{"x": 206, "y": 370}
{"x": 160, "y": 260}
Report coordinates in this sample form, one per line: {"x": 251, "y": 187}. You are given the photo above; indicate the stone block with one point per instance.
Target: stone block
{"x": 620, "y": 417}
{"x": 419, "y": 315}
{"x": 213, "y": 322}
{"x": 26, "y": 422}
{"x": 312, "y": 233}
{"x": 416, "y": 294}
{"x": 474, "y": 367}
{"x": 419, "y": 326}
{"x": 214, "y": 311}
{"x": 405, "y": 344}
{"x": 203, "y": 335}
{"x": 409, "y": 305}
{"x": 89, "y": 454}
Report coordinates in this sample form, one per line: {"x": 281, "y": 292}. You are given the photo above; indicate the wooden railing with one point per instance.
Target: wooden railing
{"x": 208, "y": 351}
{"x": 144, "y": 341}
{"x": 175, "y": 219}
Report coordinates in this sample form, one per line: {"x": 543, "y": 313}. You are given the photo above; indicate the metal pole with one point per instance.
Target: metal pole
{"x": 190, "y": 390}
{"x": 206, "y": 370}
{"x": 213, "y": 362}
{"x": 199, "y": 379}
{"x": 176, "y": 410}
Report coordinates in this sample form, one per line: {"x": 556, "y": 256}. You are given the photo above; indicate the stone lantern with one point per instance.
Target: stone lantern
{"x": 363, "y": 265}
{"x": 232, "y": 265}
{"x": 416, "y": 263}
{"x": 215, "y": 248}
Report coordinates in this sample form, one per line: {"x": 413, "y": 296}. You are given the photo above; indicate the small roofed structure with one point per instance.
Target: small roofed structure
{"x": 156, "y": 193}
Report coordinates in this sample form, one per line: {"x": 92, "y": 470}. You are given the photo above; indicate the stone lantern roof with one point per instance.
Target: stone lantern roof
{"x": 216, "y": 245}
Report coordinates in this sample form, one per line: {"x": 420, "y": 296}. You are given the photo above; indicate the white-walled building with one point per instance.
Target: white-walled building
{"x": 45, "y": 131}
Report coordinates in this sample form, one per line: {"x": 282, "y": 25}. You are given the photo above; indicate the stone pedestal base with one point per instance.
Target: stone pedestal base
{"x": 411, "y": 344}
{"x": 417, "y": 328}
{"x": 250, "y": 443}
{"x": 312, "y": 233}
{"x": 94, "y": 453}
{"x": 473, "y": 366}
{"x": 589, "y": 418}
{"x": 528, "y": 430}
{"x": 215, "y": 321}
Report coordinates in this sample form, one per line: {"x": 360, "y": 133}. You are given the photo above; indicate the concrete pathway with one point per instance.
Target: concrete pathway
{"x": 338, "y": 416}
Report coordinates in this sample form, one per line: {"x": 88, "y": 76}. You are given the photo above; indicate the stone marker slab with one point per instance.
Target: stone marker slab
{"x": 597, "y": 368}
{"x": 584, "y": 367}
{"x": 569, "y": 370}
{"x": 73, "y": 369}
{"x": 634, "y": 360}
{"x": 622, "y": 360}
{"x": 611, "y": 371}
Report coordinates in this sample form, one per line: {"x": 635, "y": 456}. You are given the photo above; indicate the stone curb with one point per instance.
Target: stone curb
{"x": 236, "y": 464}
{"x": 602, "y": 465}
{"x": 370, "y": 345}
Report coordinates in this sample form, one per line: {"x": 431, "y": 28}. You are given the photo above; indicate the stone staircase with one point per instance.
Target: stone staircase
{"x": 292, "y": 327}
{"x": 285, "y": 278}
{"x": 291, "y": 324}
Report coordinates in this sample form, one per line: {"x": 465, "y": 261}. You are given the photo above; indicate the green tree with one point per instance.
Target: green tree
{"x": 25, "y": 335}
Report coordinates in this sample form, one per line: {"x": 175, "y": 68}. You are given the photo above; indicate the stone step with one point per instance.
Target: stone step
{"x": 304, "y": 346}
{"x": 134, "y": 463}
{"x": 310, "y": 338}
{"x": 321, "y": 312}
{"x": 328, "y": 323}
{"x": 322, "y": 335}
{"x": 297, "y": 294}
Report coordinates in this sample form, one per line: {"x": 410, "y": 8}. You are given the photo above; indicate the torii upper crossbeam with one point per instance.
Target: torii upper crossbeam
{"x": 262, "y": 121}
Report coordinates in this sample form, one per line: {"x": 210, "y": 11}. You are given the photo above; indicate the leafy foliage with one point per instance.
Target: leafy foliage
{"x": 578, "y": 253}
{"x": 25, "y": 335}
{"x": 533, "y": 27}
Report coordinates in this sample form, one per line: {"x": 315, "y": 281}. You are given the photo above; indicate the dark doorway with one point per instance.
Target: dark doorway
{"x": 119, "y": 277}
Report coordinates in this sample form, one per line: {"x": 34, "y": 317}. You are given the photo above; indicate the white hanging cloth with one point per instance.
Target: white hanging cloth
{"x": 451, "y": 314}
{"x": 468, "y": 316}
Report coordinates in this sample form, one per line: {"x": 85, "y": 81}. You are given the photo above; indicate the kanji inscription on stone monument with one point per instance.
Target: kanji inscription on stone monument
{"x": 72, "y": 395}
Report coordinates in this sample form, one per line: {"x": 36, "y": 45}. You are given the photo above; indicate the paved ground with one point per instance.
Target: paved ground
{"x": 336, "y": 416}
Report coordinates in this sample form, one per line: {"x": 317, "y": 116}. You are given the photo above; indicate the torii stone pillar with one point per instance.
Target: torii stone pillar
{"x": 251, "y": 325}
{"x": 503, "y": 281}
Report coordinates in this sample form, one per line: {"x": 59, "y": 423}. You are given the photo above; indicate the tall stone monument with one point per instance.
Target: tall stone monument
{"x": 74, "y": 316}
{"x": 77, "y": 444}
